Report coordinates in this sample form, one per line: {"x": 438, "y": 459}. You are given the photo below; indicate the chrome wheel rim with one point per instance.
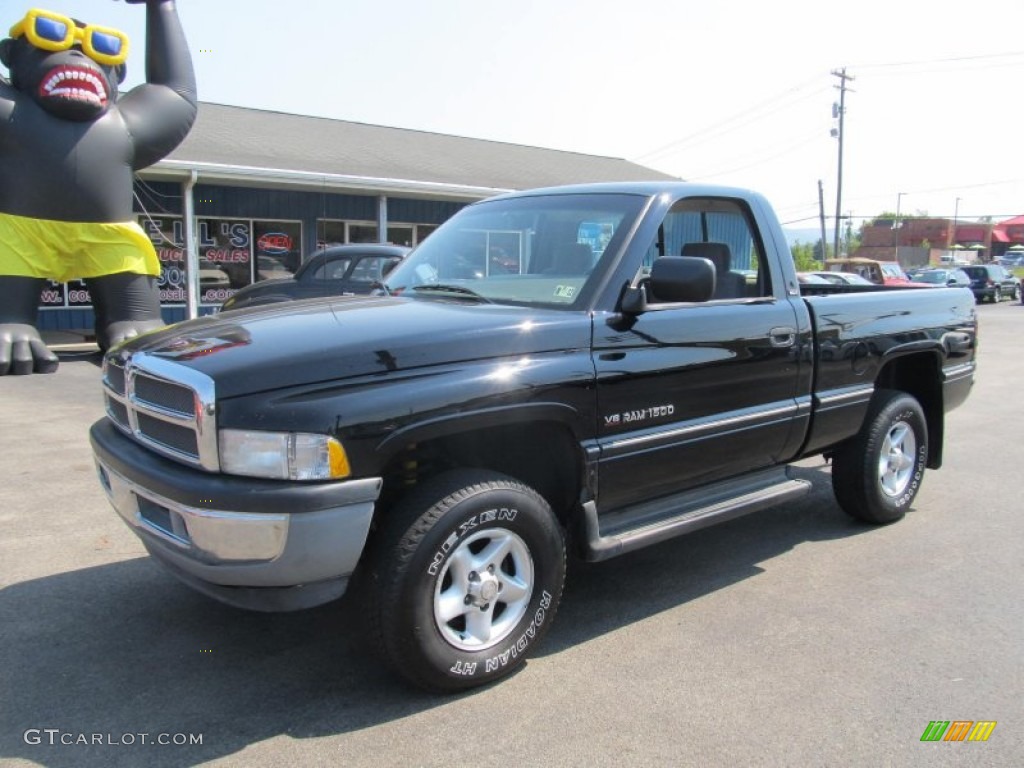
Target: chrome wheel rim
{"x": 897, "y": 459}
{"x": 484, "y": 589}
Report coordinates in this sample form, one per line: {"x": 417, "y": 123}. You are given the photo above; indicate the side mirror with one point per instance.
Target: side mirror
{"x": 673, "y": 280}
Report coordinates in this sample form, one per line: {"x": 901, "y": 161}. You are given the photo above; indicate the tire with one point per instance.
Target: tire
{"x": 997, "y": 296}
{"x": 877, "y": 474}
{"x": 465, "y": 578}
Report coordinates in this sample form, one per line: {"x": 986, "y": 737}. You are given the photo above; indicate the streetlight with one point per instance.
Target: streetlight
{"x": 896, "y": 225}
{"x": 956, "y": 214}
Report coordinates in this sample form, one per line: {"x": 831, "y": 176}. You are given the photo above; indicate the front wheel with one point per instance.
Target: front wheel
{"x": 465, "y": 579}
{"x": 997, "y": 296}
{"x": 877, "y": 474}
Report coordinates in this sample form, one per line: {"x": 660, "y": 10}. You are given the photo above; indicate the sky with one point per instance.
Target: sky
{"x": 738, "y": 93}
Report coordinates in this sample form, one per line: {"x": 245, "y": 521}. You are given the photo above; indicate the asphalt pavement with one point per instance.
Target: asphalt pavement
{"x": 792, "y": 637}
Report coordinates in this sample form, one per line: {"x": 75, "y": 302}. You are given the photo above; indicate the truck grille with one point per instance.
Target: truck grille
{"x": 163, "y": 405}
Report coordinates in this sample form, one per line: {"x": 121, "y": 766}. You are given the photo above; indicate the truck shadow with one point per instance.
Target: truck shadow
{"x": 90, "y": 357}
{"x": 603, "y": 597}
{"x": 124, "y": 649}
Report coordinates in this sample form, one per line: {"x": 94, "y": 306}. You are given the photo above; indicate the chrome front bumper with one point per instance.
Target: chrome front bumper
{"x": 294, "y": 547}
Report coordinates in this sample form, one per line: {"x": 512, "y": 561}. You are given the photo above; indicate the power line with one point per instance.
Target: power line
{"x": 979, "y": 57}
{"x": 751, "y": 115}
{"x": 790, "y": 148}
{"x": 976, "y": 219}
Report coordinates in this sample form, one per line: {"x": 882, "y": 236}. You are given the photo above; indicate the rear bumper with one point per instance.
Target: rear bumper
{"x": 256, "y": 544}
{"x": 983, "y": 293}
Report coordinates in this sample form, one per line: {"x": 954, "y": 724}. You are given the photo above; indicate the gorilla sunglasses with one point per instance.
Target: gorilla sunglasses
{"x": 55, "y": 32}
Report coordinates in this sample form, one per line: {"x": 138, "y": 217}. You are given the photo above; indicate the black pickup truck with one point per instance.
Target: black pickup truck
{"x": 602, "y": 367}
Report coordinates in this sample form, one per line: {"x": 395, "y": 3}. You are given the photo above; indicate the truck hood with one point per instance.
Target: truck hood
{"x": 292, "y": 343}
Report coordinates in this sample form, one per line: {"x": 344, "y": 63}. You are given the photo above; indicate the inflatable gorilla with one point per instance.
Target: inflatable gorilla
{"x": 68, "y": 150}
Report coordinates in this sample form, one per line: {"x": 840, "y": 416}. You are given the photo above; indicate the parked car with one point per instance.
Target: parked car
{"x": 877, "y": 272}
{"x": 269, "y": 268}
{"x": 843, "y": 278}
{"x": 812, "y": 278}
{"x": 1011, "y": 259}
{"x": 992, "y": 282}
{"x": 953, "y": 260}
{"x": 212, "y": 277}
{"x": 341, "y": 270}
{"x": 951, "y": 277}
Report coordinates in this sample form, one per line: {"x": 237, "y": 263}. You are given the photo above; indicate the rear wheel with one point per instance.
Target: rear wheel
{"x": 465, "y": 579}
{"x": 877, "y": 474}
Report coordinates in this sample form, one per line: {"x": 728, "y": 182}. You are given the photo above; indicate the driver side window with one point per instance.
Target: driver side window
{"x": 719, "y": 230}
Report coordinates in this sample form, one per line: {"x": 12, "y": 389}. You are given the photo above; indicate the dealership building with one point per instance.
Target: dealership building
{"x": 250, "y": 194}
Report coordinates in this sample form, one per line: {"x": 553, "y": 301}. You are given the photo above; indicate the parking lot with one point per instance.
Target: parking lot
{"x": 794, "y": 636}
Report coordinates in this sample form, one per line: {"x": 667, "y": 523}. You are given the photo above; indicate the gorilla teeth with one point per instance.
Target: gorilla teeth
{"x": 76, "y": 93}
{"x": 78, "y": 84}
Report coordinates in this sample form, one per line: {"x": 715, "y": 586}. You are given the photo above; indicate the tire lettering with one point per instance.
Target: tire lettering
{"x": 435, "y": 564}
{"x": 915, "y": 483}
{"x": 474, "y": 522}
{"x": 495, "y": 663}
{"x": 465, "y": 668}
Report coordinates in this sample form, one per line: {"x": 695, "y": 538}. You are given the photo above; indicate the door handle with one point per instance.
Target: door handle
{"x": 782, "y": 337}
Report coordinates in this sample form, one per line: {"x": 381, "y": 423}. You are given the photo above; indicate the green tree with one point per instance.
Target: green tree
{"x": 852, "y": 241}
{"x": 803, "y": 257}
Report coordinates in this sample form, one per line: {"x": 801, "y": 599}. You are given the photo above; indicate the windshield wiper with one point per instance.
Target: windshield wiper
{"x": 460, "y": 290}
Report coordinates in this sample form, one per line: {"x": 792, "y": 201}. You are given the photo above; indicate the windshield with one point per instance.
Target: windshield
{"x": 533, "y": 251}
{"x": 892, "y": 270}
{"x": 932, "y": 277}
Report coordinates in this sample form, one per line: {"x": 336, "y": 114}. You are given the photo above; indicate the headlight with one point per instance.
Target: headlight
{"x": 282, "y": 455}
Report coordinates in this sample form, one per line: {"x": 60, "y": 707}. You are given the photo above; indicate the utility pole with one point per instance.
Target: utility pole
{"x": 821, "y": 215}
{"x": 956, "y": 214}
{"x": 840, "y": 112}
{"x": 896, "y": 224}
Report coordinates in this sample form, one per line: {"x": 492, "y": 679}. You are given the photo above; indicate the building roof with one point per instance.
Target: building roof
{"x": 256, "y": 147}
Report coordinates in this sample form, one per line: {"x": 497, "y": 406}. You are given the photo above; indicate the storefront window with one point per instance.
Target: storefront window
{"x": 329, "y": 233}
{"x": 400, "y": 234}
{"x": 339, "y": 232}
{"x": 73, "y": 294}
{"x": 168, "y": 238}
{"x": 225, "y": 257}
{"x": 278, "y": 248}
{"x": 423, "y": 230}
{"x": 362, "y": 233}
{"x": 226, "y": 254}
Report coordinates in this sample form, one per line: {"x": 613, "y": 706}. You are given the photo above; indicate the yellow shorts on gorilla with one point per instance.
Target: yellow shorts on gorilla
{"x": 68, "y": 250}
